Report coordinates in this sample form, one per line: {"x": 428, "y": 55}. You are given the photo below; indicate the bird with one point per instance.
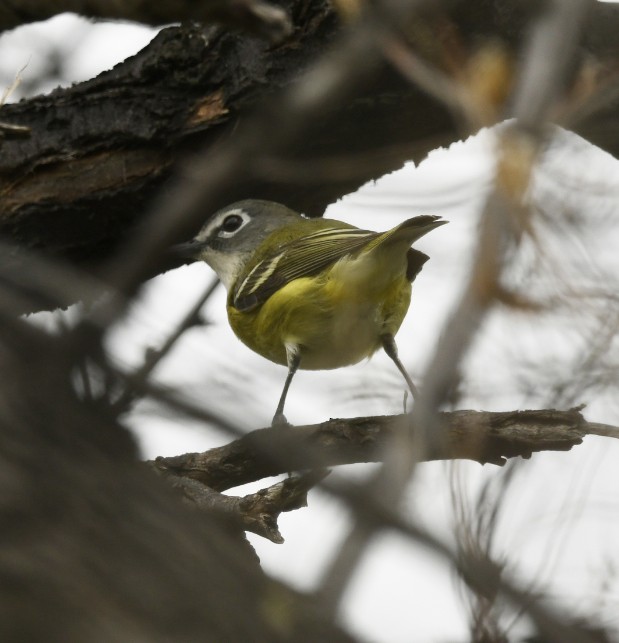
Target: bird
{"x": 311, "y": 293}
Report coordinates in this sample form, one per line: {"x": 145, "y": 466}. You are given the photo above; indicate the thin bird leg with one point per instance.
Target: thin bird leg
{"x": 392, "y": 351}
{"x": 294, "y": 359}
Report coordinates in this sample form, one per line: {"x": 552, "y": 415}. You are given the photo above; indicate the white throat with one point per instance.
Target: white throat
{"x": 227, "y": 266}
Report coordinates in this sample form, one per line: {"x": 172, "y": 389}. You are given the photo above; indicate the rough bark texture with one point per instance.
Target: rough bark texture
{"x": 265, "y": 19}
{"x": 100, "y": 152}
{"x": 485, "y": 437}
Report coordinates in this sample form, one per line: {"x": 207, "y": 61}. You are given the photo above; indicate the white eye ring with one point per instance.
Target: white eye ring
{"x": 230, "y": 216}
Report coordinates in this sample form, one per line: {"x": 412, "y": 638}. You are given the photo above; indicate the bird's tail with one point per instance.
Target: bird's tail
{"x": 408, "y": 231}
{"x": 389, "y": 253}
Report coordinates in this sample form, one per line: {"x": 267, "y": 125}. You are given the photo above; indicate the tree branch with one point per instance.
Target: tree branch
{"x": 485, "y": 437}
{"x": 99, "y": 152}
{"x": 255, "y": 16}
{"x": 256, "y": 512}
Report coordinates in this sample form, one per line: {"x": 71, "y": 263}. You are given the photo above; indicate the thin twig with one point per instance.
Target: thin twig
{"x": 605, "y": 430}
{"x": 483, "y": 574}
{"x": 154, "y": 356}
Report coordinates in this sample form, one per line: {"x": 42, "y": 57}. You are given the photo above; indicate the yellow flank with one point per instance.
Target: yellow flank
{"x": 337, "y": 317}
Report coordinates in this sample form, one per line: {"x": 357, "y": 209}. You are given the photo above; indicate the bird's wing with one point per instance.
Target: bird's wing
{"x": 303, "y": 257}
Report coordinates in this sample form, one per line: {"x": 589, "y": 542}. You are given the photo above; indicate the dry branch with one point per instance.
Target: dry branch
{"x": 256, "y": 512}
{"x": 486, "y": 437}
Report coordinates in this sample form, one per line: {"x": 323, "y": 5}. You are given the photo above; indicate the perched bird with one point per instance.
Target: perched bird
{"x": 311, "y": 293}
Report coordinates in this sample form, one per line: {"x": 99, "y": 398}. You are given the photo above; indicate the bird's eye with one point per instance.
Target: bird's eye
{"x": 232, "y": 223}
{"x": 229, "y": 223}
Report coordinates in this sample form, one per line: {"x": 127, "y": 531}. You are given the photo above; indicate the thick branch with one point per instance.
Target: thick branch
{"x": 486, "y": 437}
{"x": 252, "y": 15}
{"x": 100, "y": 152}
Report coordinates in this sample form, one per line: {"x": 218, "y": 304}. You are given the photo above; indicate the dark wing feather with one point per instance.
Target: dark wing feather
{"x": 415, "y": 260}
{"x": 302, "y": 257}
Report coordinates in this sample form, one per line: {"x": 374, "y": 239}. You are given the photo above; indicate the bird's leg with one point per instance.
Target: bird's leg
{"x": 392, "y": 350}
{"x": 294, "y": 359}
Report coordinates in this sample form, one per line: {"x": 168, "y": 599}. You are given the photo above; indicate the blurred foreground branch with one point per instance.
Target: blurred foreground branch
{"x": 550, "y": 56}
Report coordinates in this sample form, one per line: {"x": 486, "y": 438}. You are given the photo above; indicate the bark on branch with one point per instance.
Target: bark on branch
{"x": 252, "y": 15}
{"x": 100, "y": 152}
{"x": 486, "y": 437}
{"x": 256, "y": 512}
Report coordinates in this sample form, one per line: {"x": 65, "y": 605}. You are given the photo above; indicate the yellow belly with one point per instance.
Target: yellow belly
{"x": 334, "y": 319}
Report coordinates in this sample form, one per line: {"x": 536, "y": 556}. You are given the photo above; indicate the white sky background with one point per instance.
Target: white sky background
{"x": 560, "y": 521}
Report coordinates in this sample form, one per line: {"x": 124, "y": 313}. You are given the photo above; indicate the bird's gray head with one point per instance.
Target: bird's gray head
{"x": 230, "y": 237}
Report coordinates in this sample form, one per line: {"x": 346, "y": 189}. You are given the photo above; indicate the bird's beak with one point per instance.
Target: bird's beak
{"x": 189, "y": 251}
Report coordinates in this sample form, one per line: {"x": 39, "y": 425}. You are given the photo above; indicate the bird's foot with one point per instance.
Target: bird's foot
{"x": 405, "y": 402}
{"x": 280, "y": 422}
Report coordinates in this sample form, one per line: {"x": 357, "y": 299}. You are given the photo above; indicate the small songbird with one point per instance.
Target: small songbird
{"x": 311, "y": 293}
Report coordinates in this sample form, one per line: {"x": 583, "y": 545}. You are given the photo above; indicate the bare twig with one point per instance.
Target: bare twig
{"x": 430, "y": 79}
{"x": 171, "y": 398}
{"x": 605, "y": 430}
{"x": 13, "y": 130}
{"x": 482, "y": 574}
{"x": 154, "y": 356}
